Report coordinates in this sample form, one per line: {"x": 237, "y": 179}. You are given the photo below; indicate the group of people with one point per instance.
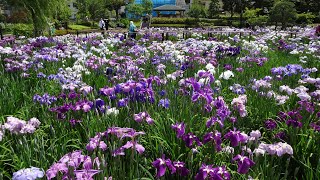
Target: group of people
{"x": 104, "y": 24}
{"x": 145, "y": 23}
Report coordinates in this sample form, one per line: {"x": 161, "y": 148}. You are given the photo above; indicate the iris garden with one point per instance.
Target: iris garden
{"x": 94, "y": 107}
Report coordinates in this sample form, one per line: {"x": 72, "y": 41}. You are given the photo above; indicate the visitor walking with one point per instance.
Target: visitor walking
{"x": 132, "y": 30}
{"x": 102, "y": 25}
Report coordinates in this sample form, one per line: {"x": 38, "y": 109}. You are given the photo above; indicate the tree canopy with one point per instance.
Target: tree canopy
{"x": 283, "y": 12}
{"x": 40, "y": 11}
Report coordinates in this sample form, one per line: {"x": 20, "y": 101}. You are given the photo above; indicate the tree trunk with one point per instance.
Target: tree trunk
{"x": 117, "y": 14}
{"x": 34, "y": 22}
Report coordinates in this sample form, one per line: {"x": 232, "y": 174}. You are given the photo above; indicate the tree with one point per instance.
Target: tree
{"x": 197, "y": 11}
{"x": 39, "y": 10}
{"x": 283, "y": 12}
{"x": 115, "y": 5}
{"x": 147, "y": 5}
{"x": 230, "y": 6}
{"x": 135, "y": 10}
{"x": 253, "y": 19}
{"x": 93, "y": 9}
{"x": 213, "y": 8}
{"x": 264, "y": 5}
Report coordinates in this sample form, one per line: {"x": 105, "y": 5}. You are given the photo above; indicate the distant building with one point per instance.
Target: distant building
{"x": 185, "y": 4}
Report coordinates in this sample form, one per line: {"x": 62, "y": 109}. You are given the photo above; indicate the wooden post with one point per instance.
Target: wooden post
{"x": 167, "y": 35}
{"x": 1, "y": 35}
{"x": 250, "y": 37}
{"x": 162, "y": 36}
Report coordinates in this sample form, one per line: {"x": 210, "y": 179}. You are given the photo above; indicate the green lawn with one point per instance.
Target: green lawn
{"x": 79, "y": 27}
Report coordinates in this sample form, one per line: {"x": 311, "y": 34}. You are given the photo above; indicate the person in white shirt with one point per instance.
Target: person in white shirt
{"x": 102, "y": 25}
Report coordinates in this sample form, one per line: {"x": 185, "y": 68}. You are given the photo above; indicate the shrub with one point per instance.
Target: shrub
{"x": 305, "y": 18}
{"x": 161, "y": 20}
{"x": 197, "y": 11}
{"x": 19, "y": 29}
{"x": 258, "y": 21}
{"x": 85, "y": 23}
{"x": 125, "y": 22}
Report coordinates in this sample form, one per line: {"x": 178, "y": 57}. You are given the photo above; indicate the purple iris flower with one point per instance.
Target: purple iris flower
{"x": 215, "y": 137}
{"x": 161, "y": 164}
{"x": 96, "y": 142}
{"x": 130, "y": 144}
{"x": 100, "y": 105}
{"x": 180, "y": 168}
{"x": 236, "y": 137}
{"x": 86, "y": 174}
{"x": 214, "y": 120}
{"x": 270, "y": 124}
{"x": 190, "y": 138}
{"x": 164, "y": 103}
{"x": 244, "y": 163}
{"x": 209, "y": 172}
{"x": 179, "y": 128}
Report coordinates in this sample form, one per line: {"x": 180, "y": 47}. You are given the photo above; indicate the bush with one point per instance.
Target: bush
{"x": 305, "y": 18}
{"x": 19, "y": 29}
{"x": 197, "y": 11}
{"x": 161, "y": 20}
{"x": 86, "y": 23}
{"x": 258, "y": 21}
{"x": 124, "y": 22}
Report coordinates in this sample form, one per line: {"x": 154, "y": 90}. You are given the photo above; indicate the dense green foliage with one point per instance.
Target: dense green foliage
{"x": 283, "y": 12}
{"x": 197, "y": 11}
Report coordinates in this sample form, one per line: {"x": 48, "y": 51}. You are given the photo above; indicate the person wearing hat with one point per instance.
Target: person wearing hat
{"x": 132, "y": 30}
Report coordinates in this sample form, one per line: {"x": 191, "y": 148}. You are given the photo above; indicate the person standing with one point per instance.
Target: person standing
{"x": 102, "y": 25}
{"x": 106, "y": 21}
{"x": 148, "y": 20}
{"x": 143, "y": 22}
{"x": 132, "y": 30}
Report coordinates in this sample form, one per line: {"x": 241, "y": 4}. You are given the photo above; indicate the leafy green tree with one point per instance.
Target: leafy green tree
{"x": 264, "y": 5}
{"x": 197, "y": 11}
{"x": 148, "y": 6}
{"x": 213, "y": 8}
{"x": 230, "y": 6}
{"x": 136, "y": 10}
{"x": 253, "y": 19}
{"x": 283, "y": 12}
{"x": 115, "y": 5}
{"x": 93, "y": 9}
{"x": 62, "y": 12}
{"x": 39, "y": 10}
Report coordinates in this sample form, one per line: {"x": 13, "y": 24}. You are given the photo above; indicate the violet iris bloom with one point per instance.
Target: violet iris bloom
{"x": 244, "y": 163}
{"x": 161, "y": 164}
{"x": 179, "y": 128}
{"x": 209, "y": 172}
{"x": 180, "y": 168}
{"x": 164, "y": 103}
{"x": 236, "y": 137}
{"x": 190, "y": 138}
